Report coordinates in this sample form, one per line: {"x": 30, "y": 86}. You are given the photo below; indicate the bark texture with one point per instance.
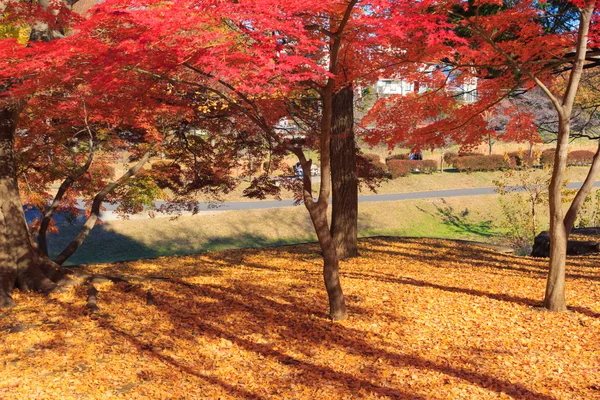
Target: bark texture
{"x": 318, "y": 211}
{"x": 331, "y": 265}
{"x": 21, "y": 266}
{"x": 344, "y": 212}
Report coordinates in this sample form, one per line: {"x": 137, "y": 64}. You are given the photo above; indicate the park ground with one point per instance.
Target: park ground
{"x": 477, "y": 218}
{"x": 247, "y": 318}
{"x": 429, "y": 319}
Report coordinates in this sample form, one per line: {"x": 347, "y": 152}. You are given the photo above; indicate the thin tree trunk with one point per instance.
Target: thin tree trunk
{"x": 582, "y": 193}
{"x": 318, "y": 211}
{"x": 533, "y": 217}
{"x": 95, "y": 212}
{"x": 67, "y": 183}
{"x": 344, "y": 212}
{"x": 20, "y": 264}
{"x": 337, "y": 305}
{"x": 531, "y": 151}
{"x": 554, "y": 299}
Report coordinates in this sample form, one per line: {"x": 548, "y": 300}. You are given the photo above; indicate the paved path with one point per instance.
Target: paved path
{"x": 206, "y": 208}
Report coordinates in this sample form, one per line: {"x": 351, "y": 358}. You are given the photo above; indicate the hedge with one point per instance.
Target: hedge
{"x": 451, "y": 157}
{"x": 519, "y": 160}
{"x": 580, "y": 157}
{"x": 370, "y": 166}
{"x": 427, "y": 166}
{"x": 480, "y": 163}
{"x": 577, "y": 157}
{"x": 400, "y": 168}
{"x": 375, "y": 160}
{"x": 397, "y": 157}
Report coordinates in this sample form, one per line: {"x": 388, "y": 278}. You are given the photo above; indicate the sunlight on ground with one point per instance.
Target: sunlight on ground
{"x": 429, "y": 320}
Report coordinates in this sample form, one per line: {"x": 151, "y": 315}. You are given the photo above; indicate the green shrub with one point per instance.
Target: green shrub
{"x": 589, "y": 215}
{"x": 523, "y": 194}
{"x": 494, "y": 162}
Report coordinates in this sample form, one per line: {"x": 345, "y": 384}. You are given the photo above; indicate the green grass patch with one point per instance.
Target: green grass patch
{"x": 454, "y": 218}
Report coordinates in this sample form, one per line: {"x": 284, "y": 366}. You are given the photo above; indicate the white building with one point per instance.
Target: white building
{"x": 388, "y": 87}
{"x": 288, "y": 129}
{"x": 384, "y": 87}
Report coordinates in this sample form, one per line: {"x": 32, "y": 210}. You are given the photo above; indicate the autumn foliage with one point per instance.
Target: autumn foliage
{"x": 431, "y": 320}
{"x": 400, "y": 168}
{"x": 492, "y": 162}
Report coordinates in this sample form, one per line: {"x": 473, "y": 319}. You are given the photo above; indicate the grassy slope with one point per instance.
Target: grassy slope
{"x": 132, "y": 239}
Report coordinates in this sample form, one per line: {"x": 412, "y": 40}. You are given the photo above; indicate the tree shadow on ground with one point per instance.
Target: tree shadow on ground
{"x": 459, "y": 222}
{"x": 578, "y": 268}
{"x": 282, "y": 323}
{"x": 258, "y": 312}
{"x": 104, "y": 244}
{"x": 485, "y": 258}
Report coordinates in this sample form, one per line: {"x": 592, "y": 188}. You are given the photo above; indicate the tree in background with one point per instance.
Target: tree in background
{"x": 67, "y": 118}
{"x": 259, "y": 64}
{"x": 507, "y": 48}
{"x": 24, "y": 69}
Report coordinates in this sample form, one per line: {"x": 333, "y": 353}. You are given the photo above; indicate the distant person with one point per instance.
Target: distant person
{"x": 299, "y": 171}
{"x": 412, "y": 156}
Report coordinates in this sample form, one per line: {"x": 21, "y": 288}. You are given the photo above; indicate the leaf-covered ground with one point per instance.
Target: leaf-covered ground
{"x": 429, "y": 320}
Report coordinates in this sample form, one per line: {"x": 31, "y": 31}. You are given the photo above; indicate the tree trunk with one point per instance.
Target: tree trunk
{"x": 344, "y": 212}
{"x": 531, "y": 150}
{"x": 95, "y": 212}
{"x": 318, "y": 210}
{"x": 337, "y": 305}
{"x": 554, "y": 299}
{"x": 67, "y": 183}
{"x": 20, "y": 264}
